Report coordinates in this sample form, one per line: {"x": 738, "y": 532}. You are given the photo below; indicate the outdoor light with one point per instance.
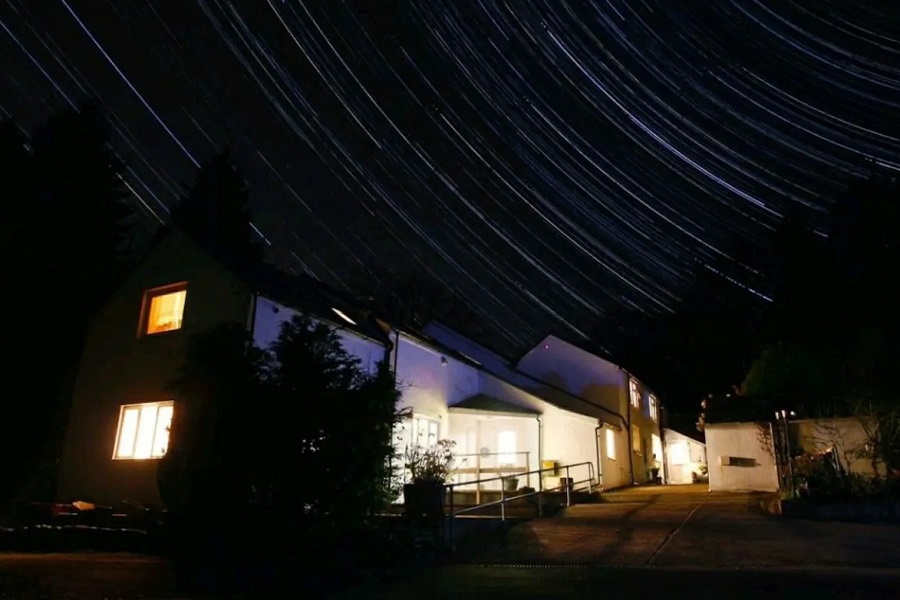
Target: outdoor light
{"x": 343, "y": 316}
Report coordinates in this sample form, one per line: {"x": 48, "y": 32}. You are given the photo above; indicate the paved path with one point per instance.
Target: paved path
{"x": 645, "y": 543}
{"x": 687, "y": 526}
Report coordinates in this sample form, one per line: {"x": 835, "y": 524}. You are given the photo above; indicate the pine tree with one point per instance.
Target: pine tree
{"x": 217, "y": 211}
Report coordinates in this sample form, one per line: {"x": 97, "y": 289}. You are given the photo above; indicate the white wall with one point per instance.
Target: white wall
{"x": 270, "y": 315}
{"x": 561, "y": 364}
{"x": 739, "y": 440}
{"x": 684, "y": 457}
{"x": 569, "y": 438}
{"x": 428, "y": 384}
{"x": 616, "y": 471}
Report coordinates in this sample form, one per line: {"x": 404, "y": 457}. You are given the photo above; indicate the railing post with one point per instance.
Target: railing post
{"x": 528, "y": 468}
{"x": 450, "y": 519}
{"x": 502, "y": 498}
{"x": 568, "y": 488}
{"x": 590, "y": 478}
{"x": 478, "y": 479}
{"x": 540, "y": 493}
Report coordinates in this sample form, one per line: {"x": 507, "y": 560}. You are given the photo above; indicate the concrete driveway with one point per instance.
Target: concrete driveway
{"x": 687, "y": 526}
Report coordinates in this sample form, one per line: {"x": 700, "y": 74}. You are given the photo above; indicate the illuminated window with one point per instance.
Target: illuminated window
{"x": 611, "y": 444}
{"x": 636, "y": 439}
{"x": 678, "y": 451}
{"x": 635, "y": 393}
{"x": 654, "y": 408}
{"x": 164, "y": 310}
{"x": 143, "y": 430}
{"x": 425, "y": 431}
{"x": 506, "y": 448}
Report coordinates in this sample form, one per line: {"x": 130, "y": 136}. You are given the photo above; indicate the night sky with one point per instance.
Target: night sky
{"x": 549, "y": 159}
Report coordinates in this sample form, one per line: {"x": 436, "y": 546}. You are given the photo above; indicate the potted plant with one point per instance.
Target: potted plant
{"x": 429, "y": 468}
{"x": 510, "y": 484}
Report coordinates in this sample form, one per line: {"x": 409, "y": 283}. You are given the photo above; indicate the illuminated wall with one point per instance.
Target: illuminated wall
{"x": 121, "y": 365}
{"x": 270, "y": 315}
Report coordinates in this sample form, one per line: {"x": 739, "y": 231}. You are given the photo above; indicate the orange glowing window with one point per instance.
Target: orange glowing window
{"x": 143, "y": 430}
{"x": 164, "y": 310}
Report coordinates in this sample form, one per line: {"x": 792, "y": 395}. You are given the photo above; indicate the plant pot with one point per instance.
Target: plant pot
{"x": 511, "y": 484}
{"x": 424, "y": 498}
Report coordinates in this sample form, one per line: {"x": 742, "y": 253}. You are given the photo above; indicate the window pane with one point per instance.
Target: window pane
{"x": 127, "y": 433}
{"x": 506, "y": 448}
{"x": 635, "y": 394}
{"x": 432, "y": 433}
{"x": 161, "y": 437}
{"x": 146, "y": 427}
{"x": 166, "y": 312}
{"x": 611, "y": 444}
{"x": 636, "y": 439}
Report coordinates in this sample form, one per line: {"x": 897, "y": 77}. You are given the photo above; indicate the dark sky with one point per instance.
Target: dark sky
{"x": 549, "y": 159}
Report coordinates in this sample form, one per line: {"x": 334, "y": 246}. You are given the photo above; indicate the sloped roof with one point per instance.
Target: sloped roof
{"x": 303, "y": 293}
{"x": 693, "y": 436}
{"x": 486, "y": 403}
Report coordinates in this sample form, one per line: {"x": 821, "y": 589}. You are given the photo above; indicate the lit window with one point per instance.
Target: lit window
{"x": 506, "y": 448}
{"x": 636, "y": 439}
{"x": 611, "y": 444}
{"x": 635, "y": 393}
{"x": 164, "y": 310}
{"x": 143, "y": 430}
{"x": 678, "y": 453}
{"x": 654, "y": 408}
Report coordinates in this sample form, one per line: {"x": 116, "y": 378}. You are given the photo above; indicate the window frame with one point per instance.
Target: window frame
{"x": 653, "y": 407}
{"x": 634, "y": 392}
{"x": 149, "y": 295}
{"x": 118, "y": 439}
{"x": 417, "y": 433}
{"x": 637, "y": 443}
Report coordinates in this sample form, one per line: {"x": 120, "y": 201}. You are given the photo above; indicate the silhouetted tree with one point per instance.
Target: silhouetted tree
{"x": 708, "y": 341}
{"x": 85, "y": 220}
{"x": 289, "y": 448}
{"x": 216, "y": 209}
{"x": 16, "y": 228}
{"x": 865, "y": 243}
{"x": 802, "y": 283}
{"x": 64, "y": 222}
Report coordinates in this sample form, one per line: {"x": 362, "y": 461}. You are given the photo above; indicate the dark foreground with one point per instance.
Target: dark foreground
{"x": 662, "y": 542}
{"x": 124, "y": 577}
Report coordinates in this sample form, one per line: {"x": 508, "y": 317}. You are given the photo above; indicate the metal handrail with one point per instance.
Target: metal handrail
{"x": 589, "y": 464}
{"x": 569, "y": 487}
{"x": 513, "y": 470}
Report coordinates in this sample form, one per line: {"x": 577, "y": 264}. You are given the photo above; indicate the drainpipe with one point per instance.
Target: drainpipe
{"x": 396, "y": 349}
{"x": 540, "y": 496}
{"x": 597, "y": 431}
{"x": 630, "y": 442}
{"x": 540, "y": 425}
{"x": 663, "y": 424}
{"x": 251, "y": 325}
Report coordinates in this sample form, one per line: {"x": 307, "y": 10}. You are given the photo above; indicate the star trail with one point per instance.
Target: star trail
{"x": 551, "y": 159}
